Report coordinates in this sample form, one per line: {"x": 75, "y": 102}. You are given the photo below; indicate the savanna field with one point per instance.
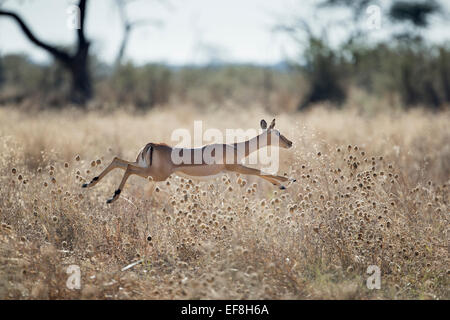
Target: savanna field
{"x": 371, "y": 190}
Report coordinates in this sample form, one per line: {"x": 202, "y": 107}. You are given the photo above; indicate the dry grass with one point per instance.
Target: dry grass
{"x": 369, "y": 191}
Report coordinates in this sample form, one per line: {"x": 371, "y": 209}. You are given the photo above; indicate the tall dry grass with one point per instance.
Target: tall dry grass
{"x": 370, "y": 191}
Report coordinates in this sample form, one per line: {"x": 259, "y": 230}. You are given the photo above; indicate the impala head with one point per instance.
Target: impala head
{"x": 270, "y": 131}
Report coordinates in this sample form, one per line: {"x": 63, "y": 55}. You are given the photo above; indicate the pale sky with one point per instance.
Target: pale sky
{"x": 193, "y": 31}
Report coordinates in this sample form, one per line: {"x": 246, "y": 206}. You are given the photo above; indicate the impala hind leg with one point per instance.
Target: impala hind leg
{"x": 275, "y": 180}
{"x": 116, "y": 163}
{"x": 131, "y": 169}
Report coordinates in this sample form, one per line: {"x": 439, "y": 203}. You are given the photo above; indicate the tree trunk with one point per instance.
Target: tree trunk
{"x": 81, "y": 90}
{"x": 77, "y": 64}
{"x": 444, "y": 69}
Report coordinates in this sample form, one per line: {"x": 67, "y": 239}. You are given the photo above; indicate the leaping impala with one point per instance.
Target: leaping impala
{"x": 155, "y": 160}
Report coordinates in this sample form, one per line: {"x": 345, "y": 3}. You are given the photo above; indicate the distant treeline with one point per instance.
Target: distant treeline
{"x": 146, "y": 86}
{"x": 408, "y": 70}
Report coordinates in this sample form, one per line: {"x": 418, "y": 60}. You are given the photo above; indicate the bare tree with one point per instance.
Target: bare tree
{"x": 76, "y": 63}
{"x": 128, "y": 27}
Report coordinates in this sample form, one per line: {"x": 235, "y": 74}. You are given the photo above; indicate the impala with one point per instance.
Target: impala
{"x": 155, "y": 160}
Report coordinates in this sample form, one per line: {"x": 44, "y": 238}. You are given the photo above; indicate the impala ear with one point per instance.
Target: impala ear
{"x": 272, "y": 124}
{"x": 263, "y": 124}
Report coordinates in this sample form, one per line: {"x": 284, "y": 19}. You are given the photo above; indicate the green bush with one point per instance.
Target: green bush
{"x": 407, "y": 68}
{"x": 417, "y": 72}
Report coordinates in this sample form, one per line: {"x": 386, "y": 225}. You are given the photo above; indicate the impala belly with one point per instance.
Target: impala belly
{"x": 200, "y": 172}
{"x": 200, "y": 178}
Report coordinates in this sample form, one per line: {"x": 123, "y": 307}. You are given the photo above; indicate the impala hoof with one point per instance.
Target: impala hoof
{"x": 282, "y": 187}
{"x": 115, "y": 196}
{"x": 84, "y": 185}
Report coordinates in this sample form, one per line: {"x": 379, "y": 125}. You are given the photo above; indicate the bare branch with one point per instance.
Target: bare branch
{"x": 81, "y": 36}
{"x": 128, "y": 26}
{"x": 55, "y": 52}
{"x": 146, "y": 22}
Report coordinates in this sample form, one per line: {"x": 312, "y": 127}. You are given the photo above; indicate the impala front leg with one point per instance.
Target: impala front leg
{"x": 116, "y": 163}
{"x": 131, "y": 169}
{"x": 275, "y": 180}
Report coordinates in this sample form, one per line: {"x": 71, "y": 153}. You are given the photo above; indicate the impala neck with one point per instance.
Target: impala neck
{"x": 254, "y": 143}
